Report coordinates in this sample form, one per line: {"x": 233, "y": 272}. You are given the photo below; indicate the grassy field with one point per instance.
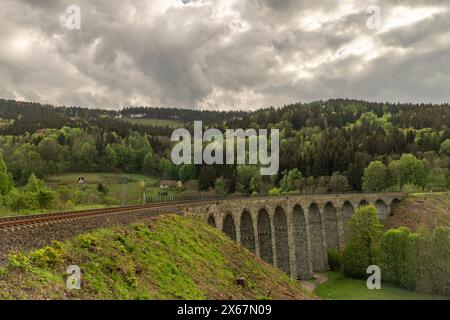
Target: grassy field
{"x": 133, "y": 189}
{"x": 155, "y": 122}
{"x": 169, "y": 257}
{"x": 421, "y": 211}
{"x": 339, "y": 287}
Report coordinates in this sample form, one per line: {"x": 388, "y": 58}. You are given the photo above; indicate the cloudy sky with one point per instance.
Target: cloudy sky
{"x": 224, "y": 54}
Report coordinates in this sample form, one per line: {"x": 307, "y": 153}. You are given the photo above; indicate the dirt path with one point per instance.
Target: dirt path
{"x": 311, "y": 285}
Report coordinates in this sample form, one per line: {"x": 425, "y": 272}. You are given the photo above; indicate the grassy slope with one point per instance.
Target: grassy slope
{"x": 111, "y": 180}
{"x": 170, "y": 257}
{"x": 421, "y": 211}
{"x": 338, "y": 287}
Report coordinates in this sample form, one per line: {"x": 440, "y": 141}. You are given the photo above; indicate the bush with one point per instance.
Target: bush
{"x": 275, "y": 191}
{"x": 18, "y": 261}
{"x": 17, "y": 201}
{"x": 46, "y": 257}
{"x": 46, "y": 198}
{"x": 411, "y": 188}
{"x": 88, "y": 242}
{"x": 334, "y": 259}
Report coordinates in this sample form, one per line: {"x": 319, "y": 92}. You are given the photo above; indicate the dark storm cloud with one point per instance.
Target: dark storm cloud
{"x": 223, "y": 53}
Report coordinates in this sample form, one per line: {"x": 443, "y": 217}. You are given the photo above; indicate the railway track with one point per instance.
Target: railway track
{"x": 18, "y": 222}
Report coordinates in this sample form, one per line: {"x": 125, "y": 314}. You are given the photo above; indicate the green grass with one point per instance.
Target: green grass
{"x": 339, "y": 287}
{"x": 133, "y": 188}
{"x": 155, "y": 122}
{"x": 169, "y": 257}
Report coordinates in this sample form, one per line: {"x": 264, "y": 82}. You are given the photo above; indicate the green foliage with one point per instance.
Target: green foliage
{"x": 34, "y": 185}
{"x": 375, "y": 176}
{"x": 219, "y": 186}
{"x": 47, "y": 257}
{"x": 445, "y": 148}
{"x": 436, "y": 258}
{"x": 399, "y": 256}
{"x": 88, "y": 242}
{"x": 291, "y": 181}
{"x": 167, "y": 169}
{"x": 361, "y": 250}
{"x": 275, "y": 191}
{"x": 338, "y": 183}
{"x": 186, "y": 172}
{"x": 6, "y": 181}
{"x": 18, "y": 261}
{"x": 245, "y": 173}
{"x": 334, "y": 259}
{"x": 438, "y": 179}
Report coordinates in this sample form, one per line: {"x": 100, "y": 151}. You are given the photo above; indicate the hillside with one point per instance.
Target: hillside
{"x": 169, "y": 257}
{"x": 421, "y": 211}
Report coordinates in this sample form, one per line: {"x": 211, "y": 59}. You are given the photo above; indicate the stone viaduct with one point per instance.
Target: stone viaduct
{"x": 291, "y": 232}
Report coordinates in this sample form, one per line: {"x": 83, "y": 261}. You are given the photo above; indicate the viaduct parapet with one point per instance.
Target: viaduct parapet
{"x": 291, "y": 232}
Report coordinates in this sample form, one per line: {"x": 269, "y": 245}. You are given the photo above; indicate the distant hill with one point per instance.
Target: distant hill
{"x": 169, "y": 257}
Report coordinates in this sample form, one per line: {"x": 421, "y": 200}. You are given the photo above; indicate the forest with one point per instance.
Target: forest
{"x": 325, "y": 146}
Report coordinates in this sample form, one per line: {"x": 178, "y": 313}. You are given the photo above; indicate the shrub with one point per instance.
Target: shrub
{"x": 46, "y": 257}
{"x": 275, "y": 191}
{"x": 411, "y": 188}
{"x": 18, "y": 261}
{"x": 46, "y": 197}
{"x": 334, "y": 259}
{"x": 88, "y": 241}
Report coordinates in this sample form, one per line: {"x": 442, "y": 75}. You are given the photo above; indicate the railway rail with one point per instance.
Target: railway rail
{"x": 15, "y": 222}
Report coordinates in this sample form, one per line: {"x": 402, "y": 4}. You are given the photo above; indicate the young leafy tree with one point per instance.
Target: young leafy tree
{"x": 361, "y": 250}
{"x": 399, "y": 255}
{"x": 375, "y": 177}
{"x": 437, "y": 261}
{"x": 339, "y": 183}
{"x": 6, "y": 181}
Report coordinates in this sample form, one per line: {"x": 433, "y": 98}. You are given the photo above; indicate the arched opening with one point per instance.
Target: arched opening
{"x": 363, "y": 203}
{"x": 331, "y": 228}
{"x": 315, "y": 227}
{"x": 300, "y": 242}
{"x": 265, "y": 236}
{"x": 228, "y": 227}
{"x": 347, "y": 210}
{"x": 394, "y": 205}
{"x": 281, "y": 240}
{"x": 247, "y": 231}
{"x": 382, "y": 209}
{"x": 212, "y": 221}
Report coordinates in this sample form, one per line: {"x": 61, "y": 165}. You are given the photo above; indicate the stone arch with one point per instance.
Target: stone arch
{"x": 229, "y": 228}
{"x": 382, "y": 209}
{"x": 394, "y": 203}
{"x": 265, "y": 236}
{"x": 281, "y": 240}
{"x": 363, "y": 203}
{"x": 212, "y": 221}
{"x": 347, "y": 210}
{"x": 315, "y": 227}
{"x": 300, "y": 242}
{"x": 247, "y": 231}
{"x": 331, "y": 228}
